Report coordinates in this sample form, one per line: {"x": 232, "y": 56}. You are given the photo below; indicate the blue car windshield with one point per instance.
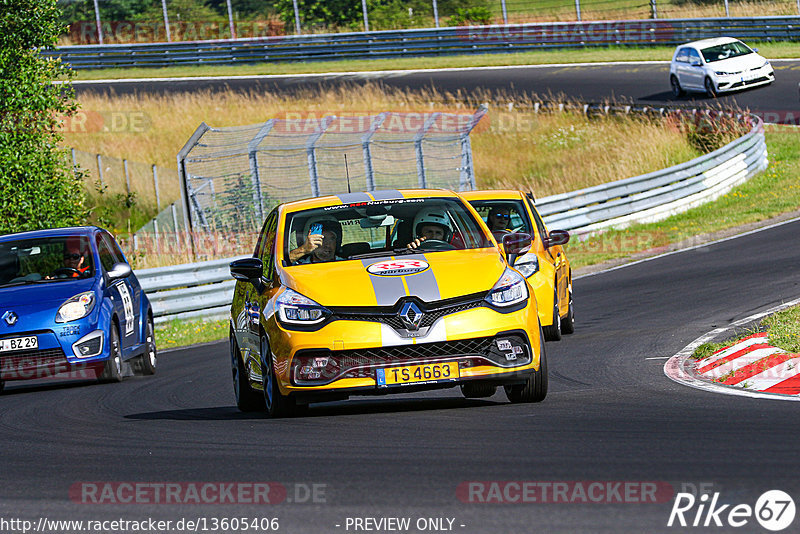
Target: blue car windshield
{"x": 45, "y": 259}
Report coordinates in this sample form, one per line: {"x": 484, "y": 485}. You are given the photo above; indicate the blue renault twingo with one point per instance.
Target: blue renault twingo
{"x": 70, "y": 306}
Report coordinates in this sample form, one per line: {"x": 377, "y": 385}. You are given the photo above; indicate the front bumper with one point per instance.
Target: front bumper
{"x": 347, "y": 357}
{"x": 56, "y": 354}
{"x": 753, "y": 78}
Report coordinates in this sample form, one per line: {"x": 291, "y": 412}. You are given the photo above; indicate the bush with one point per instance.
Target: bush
{"x": 38, "y": 186}
{"x": 471, "y": 15}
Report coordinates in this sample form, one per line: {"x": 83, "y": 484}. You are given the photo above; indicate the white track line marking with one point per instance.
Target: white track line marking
{"x": 675, "y": 370}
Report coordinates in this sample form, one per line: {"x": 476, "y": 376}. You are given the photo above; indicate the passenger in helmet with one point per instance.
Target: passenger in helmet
{"x": 431, "y": 224}
{"x": 323, "y": 241}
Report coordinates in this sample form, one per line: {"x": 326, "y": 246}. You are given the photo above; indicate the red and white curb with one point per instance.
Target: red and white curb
{"x": 751, "y": 367}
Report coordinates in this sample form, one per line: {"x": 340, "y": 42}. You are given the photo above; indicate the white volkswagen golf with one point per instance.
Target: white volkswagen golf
{"x": 717, "y": 65}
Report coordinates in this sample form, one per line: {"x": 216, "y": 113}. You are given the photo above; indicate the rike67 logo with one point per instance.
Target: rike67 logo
{"x": 774, "y": 510}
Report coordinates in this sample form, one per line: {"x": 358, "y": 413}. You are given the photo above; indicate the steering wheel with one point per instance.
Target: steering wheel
{"x": 436, "y": 244}
{"x": 66, "y": 272}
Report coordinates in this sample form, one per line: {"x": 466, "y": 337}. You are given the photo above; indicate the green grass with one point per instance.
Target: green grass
{"x": 783, "y": 328}
{"x": 775, "y": 191}
{"x": 177, "y": 333}
{"x": 543, "y": 57}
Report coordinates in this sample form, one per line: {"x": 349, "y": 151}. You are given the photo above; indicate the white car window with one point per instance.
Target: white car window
{"x": 683, "y": 55}
{"x": 694, "y": 56}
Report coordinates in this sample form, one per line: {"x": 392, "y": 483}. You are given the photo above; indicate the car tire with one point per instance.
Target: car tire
{"x": 477, "y": 390}
{"x": 535, "y": 388}
{"x": 553, "y": 331}
{"x": 247, "y": 398}
{"x": 677, "y": 90}
{"x": 568, "y": 322}
{"x": 148, "y": 360}
{"x": 112, "y": 370}
{"x": 276, "y": 404}
{"x": 711, "y": 91}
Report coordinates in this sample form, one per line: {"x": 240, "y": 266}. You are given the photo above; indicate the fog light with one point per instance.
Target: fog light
{"x": 89, "y": 345}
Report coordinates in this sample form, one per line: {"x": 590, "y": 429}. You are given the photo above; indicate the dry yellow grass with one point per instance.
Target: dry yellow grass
{"x": 548, "y": 152}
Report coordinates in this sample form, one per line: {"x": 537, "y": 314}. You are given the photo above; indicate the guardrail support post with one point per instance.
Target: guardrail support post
{"x": 505, "y": 11}
{"x": 311, "y": 151}
{"x": 578, "y": 9}
{"x": 436, "y": 13}
{"x": 97, "y": 22}
{"x": 422, "y": 180}
{"x": 366, "y": 17}
{"x": 653, "y": 6}
{"x": 166, "y": 20}
{"x": 366, "y": 141}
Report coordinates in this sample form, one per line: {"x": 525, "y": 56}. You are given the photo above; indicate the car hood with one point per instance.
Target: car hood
{"x": 442, "y": 275}
{"x": 40, "y": 295}
{"x": 737, "y": 64}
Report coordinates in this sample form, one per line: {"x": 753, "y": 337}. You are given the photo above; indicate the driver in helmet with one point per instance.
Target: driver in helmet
{"x": 431, "y": 224}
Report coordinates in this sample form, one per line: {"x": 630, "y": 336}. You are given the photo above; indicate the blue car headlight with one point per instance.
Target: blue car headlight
{"x": 297, "y": 309}
{"x": 509, "y": 290}
{"x": 76, "y": 308}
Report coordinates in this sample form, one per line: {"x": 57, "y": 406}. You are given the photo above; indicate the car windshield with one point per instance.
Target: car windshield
{"x": 381, "y": 228}
{"x": 503, "y": 216}
{"x": 45, "y": 259}
{"x": 725, "y": 51}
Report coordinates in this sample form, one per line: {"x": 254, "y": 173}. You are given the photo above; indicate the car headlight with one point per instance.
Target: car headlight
{"x": 76, "y": 308}
{"x": 527, "y": 265}
{"x": 509, "y": 290}
{"x": 721, "y": 73}
{"x": 294, "y": 308}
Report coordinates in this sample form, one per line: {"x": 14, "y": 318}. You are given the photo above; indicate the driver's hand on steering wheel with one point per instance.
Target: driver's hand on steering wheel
{"x": 416, "y": 243}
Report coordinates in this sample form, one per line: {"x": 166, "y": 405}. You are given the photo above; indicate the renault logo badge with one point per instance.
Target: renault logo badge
{"x": 10, "y": 318}
{"x": 411, "y": 315}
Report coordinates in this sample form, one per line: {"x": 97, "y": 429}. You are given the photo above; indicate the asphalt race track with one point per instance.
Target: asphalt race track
{"x": 611, "y": 415}
{"x": 639, "y": 83}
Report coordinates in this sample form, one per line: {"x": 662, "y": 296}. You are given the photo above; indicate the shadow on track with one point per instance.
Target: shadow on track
{"x": 353, "y": 407}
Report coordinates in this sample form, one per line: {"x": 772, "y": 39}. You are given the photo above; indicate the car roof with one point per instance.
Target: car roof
{"x": 500, "y": 194}
{"x": 365, "y": 196}
{"x": 51, "y": 232}
{"x": 714, "y": 41}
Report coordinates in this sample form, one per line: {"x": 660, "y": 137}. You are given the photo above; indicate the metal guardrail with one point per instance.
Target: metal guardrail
{"x": 427, "y": 42}
{"x": 204, "y": 289}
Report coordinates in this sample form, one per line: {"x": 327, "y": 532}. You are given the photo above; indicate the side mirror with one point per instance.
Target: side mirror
{"x": 516, "y": 244}
{"x": 755, "y": 50}
{"x": 247, "y": 269}
{"x": 119, "y": 270}
{"x": 557, "y": 237}
{"x": 696, "y": 63}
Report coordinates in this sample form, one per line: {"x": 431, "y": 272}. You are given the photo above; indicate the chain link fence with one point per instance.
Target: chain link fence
{"x": 233, "y": 177}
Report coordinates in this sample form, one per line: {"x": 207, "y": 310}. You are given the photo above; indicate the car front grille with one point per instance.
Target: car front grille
{"x": 362, "y": 363}
{"x": 390, "y": 315}
{"x": 32, "y": 363}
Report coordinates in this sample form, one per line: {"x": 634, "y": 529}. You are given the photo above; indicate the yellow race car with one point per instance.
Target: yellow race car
{"x": 377, "y": 293}
{"x": 545, "y": 265}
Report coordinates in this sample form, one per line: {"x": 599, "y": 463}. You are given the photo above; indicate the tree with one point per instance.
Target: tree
{"x": 38, "y": 186}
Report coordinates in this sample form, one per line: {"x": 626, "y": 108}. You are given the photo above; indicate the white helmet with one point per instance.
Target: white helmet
{"x": 433, "y": 216}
